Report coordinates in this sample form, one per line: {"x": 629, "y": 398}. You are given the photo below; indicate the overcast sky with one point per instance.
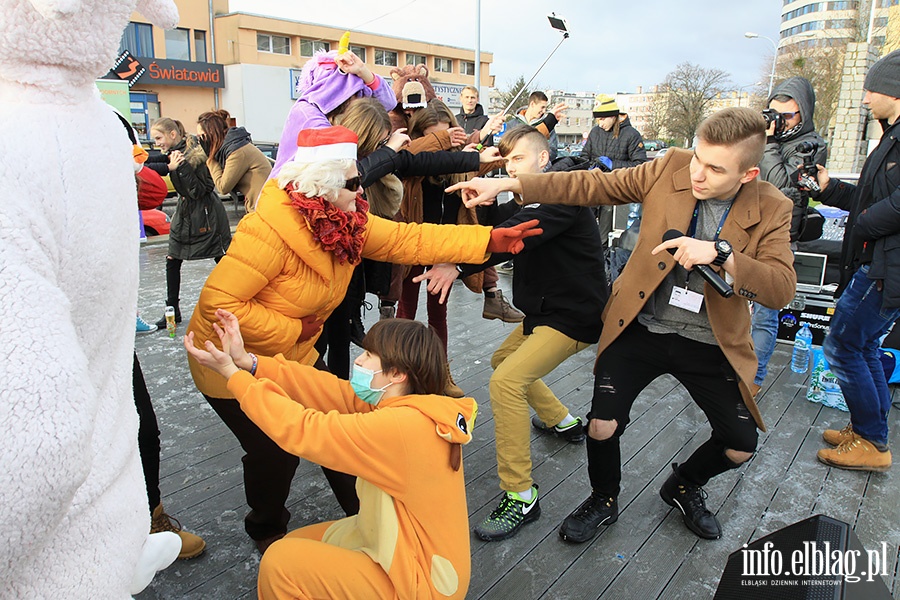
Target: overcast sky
{"x": 614, "y": 46}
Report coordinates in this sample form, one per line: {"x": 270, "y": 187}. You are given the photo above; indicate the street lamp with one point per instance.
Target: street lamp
{"x": 751, "y": 35}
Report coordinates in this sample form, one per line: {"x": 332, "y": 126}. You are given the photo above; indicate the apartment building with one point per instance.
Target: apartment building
{"x": 833, "y": 22}
{"x": 249, "y": 64}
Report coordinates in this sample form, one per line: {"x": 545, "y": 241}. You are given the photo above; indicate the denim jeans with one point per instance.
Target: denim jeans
{"x": 764, "y": 331}
{"x": 851, "y": 350}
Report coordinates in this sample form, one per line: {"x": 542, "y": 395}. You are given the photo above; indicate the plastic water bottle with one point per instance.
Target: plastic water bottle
{"x": 802, "y": 346}
{"x": 170, "y": 321}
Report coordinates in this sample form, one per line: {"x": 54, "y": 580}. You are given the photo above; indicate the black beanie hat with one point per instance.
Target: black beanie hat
{"x": 884, "y": 76}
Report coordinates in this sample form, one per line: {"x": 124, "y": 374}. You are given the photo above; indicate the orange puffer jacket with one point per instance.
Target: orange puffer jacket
{"x": 276, "y": 273}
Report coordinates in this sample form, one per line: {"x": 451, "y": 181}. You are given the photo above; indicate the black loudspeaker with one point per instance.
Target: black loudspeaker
{"x": 819, "y": 558}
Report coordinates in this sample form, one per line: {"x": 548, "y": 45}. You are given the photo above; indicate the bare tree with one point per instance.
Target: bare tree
{"x": 512, "y": 88}
{"x": 822, "y": 66}
{"x": 688, "y": 94}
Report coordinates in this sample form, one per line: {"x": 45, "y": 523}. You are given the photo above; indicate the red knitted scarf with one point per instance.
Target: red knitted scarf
{"x": 339, "y": 232}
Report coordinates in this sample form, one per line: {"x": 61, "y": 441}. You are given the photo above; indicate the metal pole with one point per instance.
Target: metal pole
{"x": 212, "y": 45}
{"x": 478, "y": 47}
{"x": 873, "y": 3}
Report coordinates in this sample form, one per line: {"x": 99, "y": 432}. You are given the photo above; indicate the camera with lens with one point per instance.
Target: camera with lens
{"x": 806, "y": 173}
{"x": 771, "y": 115}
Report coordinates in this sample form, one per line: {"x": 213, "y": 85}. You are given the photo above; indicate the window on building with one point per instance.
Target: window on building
{"x": 276, "y": 44}
{"x": 840, "y": 24}
{"x": 386, "y": 58}
{"x": 137, "y": 39}
{"x": 178, "y": 46}
{"x": 415, "y": 59}
{"x": 881, "y": 21}
{"x": 310, "y": 47}
{"x": 199, "y": 46}
{"x": 360, "y": 51}
{"x": 443, "y": 65}
{"x": 843, "y": 5}
{"x": 466, "y": 67}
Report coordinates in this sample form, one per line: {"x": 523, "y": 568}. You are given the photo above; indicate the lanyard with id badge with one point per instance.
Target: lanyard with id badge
{"x": 684, "y": 297}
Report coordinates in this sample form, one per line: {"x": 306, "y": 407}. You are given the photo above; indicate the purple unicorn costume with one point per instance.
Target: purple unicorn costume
{"x": 322, "y": 89}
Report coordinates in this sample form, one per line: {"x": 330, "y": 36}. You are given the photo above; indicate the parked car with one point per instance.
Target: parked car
{"x": 156, "y": 222}
{"x": 661, "y": 152}
{"x": 270, "y": 150}
{"x": 654, "y": 145}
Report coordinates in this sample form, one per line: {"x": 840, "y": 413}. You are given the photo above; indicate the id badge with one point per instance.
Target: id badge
{"x": 686, "y": 299}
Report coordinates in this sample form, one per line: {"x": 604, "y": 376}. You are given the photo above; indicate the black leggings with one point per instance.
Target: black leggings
{"x": 636, "y": 358}
{"x": 148, "y": 434}
{"x": 268, "y": 472}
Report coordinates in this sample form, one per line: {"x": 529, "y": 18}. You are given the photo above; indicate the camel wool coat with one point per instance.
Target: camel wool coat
{"x": 758, "y": 228}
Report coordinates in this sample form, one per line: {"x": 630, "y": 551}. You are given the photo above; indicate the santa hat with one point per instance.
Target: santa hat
{"x": 329, "y": 143}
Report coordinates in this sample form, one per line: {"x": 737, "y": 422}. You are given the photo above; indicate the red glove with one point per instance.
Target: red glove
{"x": 311, "y": 326}
{"x": 508, "y": 240}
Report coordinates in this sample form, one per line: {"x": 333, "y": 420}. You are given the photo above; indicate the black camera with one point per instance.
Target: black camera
{"x": 771, "y": 115}
{"x": 806, "y": 173}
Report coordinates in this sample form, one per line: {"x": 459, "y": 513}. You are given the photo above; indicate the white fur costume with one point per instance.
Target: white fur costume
{"x": 73, "y": 504}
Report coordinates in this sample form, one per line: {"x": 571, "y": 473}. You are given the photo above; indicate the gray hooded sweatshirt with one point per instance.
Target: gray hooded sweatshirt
{"x": 781, "y": 159}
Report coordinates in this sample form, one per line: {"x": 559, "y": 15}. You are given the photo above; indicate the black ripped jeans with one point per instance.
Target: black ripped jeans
{"x": 636, "y": 358}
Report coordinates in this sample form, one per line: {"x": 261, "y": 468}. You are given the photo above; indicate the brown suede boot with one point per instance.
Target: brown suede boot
{"x": 192, "y": 545}
{"x": 451, "y": 389}
{"x": 856, "y": 454}
{"x": 836, "y": 437}
{"x": 497, "y": 307}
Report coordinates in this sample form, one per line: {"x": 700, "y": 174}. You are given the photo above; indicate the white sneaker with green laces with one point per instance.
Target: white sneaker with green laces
{"x": 506, "y": 520}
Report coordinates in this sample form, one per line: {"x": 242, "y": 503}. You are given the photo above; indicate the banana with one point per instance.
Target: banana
{"x": 344, "y": 44}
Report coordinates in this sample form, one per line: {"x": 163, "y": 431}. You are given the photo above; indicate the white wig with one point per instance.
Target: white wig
{"x": 323, "y": 179}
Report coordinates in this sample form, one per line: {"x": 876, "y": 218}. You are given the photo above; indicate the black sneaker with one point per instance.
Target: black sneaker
{"x": 574, "y": 433}
{"x": 585, "y": 521}
{"x": 506, "y": 520}
{"x": 690, "y": 500}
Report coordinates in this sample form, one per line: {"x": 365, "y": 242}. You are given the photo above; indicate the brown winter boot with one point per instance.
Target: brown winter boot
{"x": 192, "y": 545}
{"x": 836, "y": 437}
{"x": 497, "y": 307}
{"x": 451, "y": 389}
{"x": 857, "y": 454}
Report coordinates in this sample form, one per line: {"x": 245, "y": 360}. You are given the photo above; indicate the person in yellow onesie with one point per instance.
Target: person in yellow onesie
{"x": 389, "y": 427}
{"x": 287, "y": 269}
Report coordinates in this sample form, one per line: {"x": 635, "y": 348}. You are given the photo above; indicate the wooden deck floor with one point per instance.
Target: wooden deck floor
{"x": 647, "y": 554}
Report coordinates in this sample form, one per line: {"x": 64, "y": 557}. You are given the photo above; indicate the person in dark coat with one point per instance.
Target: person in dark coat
{"x": 870, "y": 282}
{"x": 612, "y": 144}
{"x": 795, "y": 101}
{"x": 200, "y": 227}
{"x": 560, "y": 284}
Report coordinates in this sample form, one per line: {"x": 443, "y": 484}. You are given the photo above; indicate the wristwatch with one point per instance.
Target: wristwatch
{"x": 723, "y": 247}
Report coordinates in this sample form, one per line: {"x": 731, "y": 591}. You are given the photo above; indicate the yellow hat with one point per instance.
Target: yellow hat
{"x": 605, "y": 106}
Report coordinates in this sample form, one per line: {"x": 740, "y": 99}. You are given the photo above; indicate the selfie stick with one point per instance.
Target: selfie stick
{"x": 556, "y": 23}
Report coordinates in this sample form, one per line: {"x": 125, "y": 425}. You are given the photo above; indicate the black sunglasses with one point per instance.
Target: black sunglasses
{"x": 352, "y": 184}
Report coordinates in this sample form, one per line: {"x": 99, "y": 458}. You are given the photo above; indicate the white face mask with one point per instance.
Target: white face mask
{"x": 361, "y": 381}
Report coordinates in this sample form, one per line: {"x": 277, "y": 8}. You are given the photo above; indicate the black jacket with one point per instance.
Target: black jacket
{"x": 559, "y": 278}
{"x": 781, "y": 159}
{"x": 872, "y": 232}
{"x": 200, "y": 227}
{"x": 406, "y": 164}
{"x": 473, "y": 122}
{"x": 627, "y": 150}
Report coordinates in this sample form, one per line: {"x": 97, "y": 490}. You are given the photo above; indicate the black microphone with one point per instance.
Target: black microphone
{"x": 710, "y": 276}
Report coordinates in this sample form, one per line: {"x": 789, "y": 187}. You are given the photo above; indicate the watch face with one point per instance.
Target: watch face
{"x": 723, "y": 246}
